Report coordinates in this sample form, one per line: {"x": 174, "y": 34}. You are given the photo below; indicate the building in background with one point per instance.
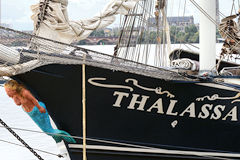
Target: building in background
{"x": 179, "y": 22}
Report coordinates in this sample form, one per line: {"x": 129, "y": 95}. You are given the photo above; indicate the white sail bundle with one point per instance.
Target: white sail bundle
{"x": 52, "y": 26}
{"x": 57, "y": 26}
{"x": 185, "y": 63}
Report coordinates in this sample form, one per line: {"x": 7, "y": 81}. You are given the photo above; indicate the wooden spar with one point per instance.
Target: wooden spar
{"x": 84, "y": 108}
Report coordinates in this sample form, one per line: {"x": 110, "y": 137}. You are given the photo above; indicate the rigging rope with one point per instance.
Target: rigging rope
{"x": 49, "y": 153}
{"x": 70, "y": 45}
{"x": 42, "y": 7}
{"x": 208, "y": 16}
{"x": 21, "y": 140}
{"x": 175, "y": 35}
{"x": 133, "y": 30}
{"x": 117, "y": 143}
{"x": 233, "y": 8}
{"x": 203, "y": 11}
{"x": 214, "y": 22}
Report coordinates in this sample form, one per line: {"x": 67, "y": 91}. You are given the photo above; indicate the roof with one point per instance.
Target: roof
{"x": 180, "y": 19}
{"x": 175, "y": 19}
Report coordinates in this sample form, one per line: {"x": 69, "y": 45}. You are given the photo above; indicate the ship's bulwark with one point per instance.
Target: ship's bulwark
{"x": 122, "y": 107}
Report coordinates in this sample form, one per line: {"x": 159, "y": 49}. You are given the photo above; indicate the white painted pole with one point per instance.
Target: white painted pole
{"x": 207, "y": 38}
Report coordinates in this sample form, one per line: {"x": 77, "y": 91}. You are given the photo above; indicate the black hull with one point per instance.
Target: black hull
{"x": 173, "y": 121}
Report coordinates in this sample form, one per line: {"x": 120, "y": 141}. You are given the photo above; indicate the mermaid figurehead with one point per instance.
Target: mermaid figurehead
{"x": 35, "y": 109}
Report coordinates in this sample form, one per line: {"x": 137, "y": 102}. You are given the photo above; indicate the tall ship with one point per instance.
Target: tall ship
{"x": 117, "y": 106}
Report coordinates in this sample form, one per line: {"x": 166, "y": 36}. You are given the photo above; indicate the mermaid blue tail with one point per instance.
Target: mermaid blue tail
{"x": 60, "y": 134}
{"x": 43, "y": 121}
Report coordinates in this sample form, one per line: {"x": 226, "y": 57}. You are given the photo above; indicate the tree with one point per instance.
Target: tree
{"x": 194, "y": 38}
{"x": 98, "y": 33}
{"x": 153, "y": 37}
{"x": 180, "y": 37}
{"x": 190, "y": 34}
{"x": 192, "y": 28}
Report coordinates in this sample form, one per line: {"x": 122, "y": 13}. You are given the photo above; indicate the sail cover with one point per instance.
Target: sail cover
{"x": 57, "y": 26}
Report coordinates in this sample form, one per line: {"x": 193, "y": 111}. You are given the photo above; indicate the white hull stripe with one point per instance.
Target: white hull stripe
{"x": 159, "y": 151}
{"x": 218, "y": 86}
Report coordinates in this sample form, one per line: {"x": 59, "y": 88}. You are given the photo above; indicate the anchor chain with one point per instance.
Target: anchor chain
{"x": 20, "y": 139}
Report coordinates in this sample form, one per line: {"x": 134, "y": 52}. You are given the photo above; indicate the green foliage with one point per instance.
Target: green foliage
{"x": 82, "y": 42}
{"x": 97, "y": 33}
{"x": 180, "y": 37}
{"x": 189, "y": 35}
{"x": 153, "y": 37}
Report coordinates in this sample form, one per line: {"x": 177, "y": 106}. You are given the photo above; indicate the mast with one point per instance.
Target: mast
{"x": 207, "y": 37}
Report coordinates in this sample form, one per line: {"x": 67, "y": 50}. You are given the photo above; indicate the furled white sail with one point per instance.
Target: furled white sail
{"x": 57, "y": 26}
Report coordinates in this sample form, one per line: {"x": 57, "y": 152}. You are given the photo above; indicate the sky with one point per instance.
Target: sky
{"x": 17, "y": 13}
